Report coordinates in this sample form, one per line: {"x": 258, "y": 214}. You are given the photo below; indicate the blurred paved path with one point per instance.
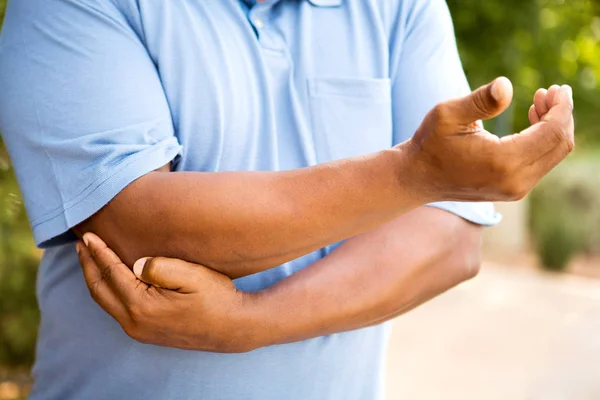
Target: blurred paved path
{"x": 510, "y": 334}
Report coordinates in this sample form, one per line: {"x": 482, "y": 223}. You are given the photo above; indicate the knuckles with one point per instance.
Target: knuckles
{"x": 134, "y": 321}
{"x": 570, "y": 144}
{"x": 136, "y": 313}
{"x": 133, "y": 332}
{"x": 514, "y": 190}
{"x": 94, "y": 292}
{"x": 439, "y": 113}
{"x": 153, "y": 267}
{"x": 134, "y": 325}
{"x": 557, "y": 131}
{"x": 562, "y": 134}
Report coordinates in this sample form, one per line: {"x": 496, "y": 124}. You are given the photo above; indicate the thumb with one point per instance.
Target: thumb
{"x": 167, "y": 273}
{"x": 487, "y": 102}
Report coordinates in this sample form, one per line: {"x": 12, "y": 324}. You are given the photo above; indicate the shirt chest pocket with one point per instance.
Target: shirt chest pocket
{"x": 350, "y": 116}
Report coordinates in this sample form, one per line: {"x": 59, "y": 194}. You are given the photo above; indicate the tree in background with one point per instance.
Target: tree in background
{"x": 535, "y": 43}
{"x": 19, "y": 258}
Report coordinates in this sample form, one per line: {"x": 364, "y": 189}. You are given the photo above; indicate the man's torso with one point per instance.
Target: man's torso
{"x": 279, "y": 86}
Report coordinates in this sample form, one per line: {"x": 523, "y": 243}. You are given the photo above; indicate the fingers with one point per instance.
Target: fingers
{"x": 169, "y": 273}
{"x": 99, "y": 289}
{"x": 484, "y": 103}
{"x": 109, "y": 267}
{"x": 550, "y": 96}
{"x": 547, "y": 162}
{"x": 561, "y": 111}
{"x": 533, "y": 115}
{"x": 539, "y": 102}
{"x": 555, "y": 130}
{"x": 543, "y": 100}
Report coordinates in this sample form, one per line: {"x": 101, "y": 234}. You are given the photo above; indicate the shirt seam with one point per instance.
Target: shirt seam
{"x": 98, "y": 183}
{"x": 126, "y": 28}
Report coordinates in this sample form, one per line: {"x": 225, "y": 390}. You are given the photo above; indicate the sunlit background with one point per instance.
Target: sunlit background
{"x": 529, "y": 326}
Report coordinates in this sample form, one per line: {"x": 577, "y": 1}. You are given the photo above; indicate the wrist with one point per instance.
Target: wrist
{"x": 412, "y": 176}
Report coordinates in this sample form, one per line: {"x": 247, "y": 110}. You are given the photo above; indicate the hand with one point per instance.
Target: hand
{"x": 173, "y": 303}
{"x": 456, "y": 159}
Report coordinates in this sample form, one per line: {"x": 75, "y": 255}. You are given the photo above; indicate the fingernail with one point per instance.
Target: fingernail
{"x": 569, "y": 91}
{"x": 78, "y": 247}
{"x": 138, "y": 266}
{"x": 495, "y": 90}
{"x": 86, "y": 240}
{"x": 496, "y": 87}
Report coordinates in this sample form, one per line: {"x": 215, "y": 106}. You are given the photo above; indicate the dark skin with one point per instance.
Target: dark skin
{"x": 353, "y": 287}
{"x": 399, "y": 254}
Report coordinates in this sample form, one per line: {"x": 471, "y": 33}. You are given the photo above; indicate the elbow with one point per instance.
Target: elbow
{"x": 472, "y": 263}
{"x": 468, "y": 254}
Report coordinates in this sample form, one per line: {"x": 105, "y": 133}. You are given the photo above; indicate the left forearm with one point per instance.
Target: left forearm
{"x": 367, "y": 280}
{"x": 370, "y": 278}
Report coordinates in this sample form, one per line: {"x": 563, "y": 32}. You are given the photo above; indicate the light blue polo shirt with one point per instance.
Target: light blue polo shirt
{"x": 96, "y": 93}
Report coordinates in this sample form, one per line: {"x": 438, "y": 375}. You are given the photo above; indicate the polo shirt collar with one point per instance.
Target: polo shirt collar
{"x": 326, "y": 3}
{"x": 317, "y": 3}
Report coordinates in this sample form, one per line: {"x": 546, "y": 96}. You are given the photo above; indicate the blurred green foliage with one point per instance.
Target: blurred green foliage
{"x": 19, "y": 314}
{"x": 533, "y": 42}
{"x": 18, "y": 264}
{"x": 537, "y": 43}
{"x": 565, "y": 211}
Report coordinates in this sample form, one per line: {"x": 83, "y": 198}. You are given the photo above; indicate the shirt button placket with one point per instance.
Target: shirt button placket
{"x": 257, "y": 16}
{"x": 258, "y": 23}
{"x": 259, "y": 19}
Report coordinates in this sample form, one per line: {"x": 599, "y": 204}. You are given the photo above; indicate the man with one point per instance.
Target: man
{"x": 294, "y": 122}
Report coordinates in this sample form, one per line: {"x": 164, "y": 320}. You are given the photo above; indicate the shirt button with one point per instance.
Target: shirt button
{"x": 259, "y": 24}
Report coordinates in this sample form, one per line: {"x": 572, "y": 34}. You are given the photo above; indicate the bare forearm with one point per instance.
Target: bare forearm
{"x": 371, "y": 278}
{"x": 240, "y": 223}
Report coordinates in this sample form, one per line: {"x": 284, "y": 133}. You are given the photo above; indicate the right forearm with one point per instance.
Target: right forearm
{"x": 269, "y": 214}
{"x": 240, "y": 223}
{"x": 244, "y": 222}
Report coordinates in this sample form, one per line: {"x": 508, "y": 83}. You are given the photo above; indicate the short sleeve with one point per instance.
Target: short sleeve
{"x": 83, "y": 112}
{"x": 426, "y": 69}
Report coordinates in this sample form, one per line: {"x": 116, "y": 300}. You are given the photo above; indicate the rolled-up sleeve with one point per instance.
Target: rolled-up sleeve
{"x": 426, "y": 70}
{"x": 82, "y": 109}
